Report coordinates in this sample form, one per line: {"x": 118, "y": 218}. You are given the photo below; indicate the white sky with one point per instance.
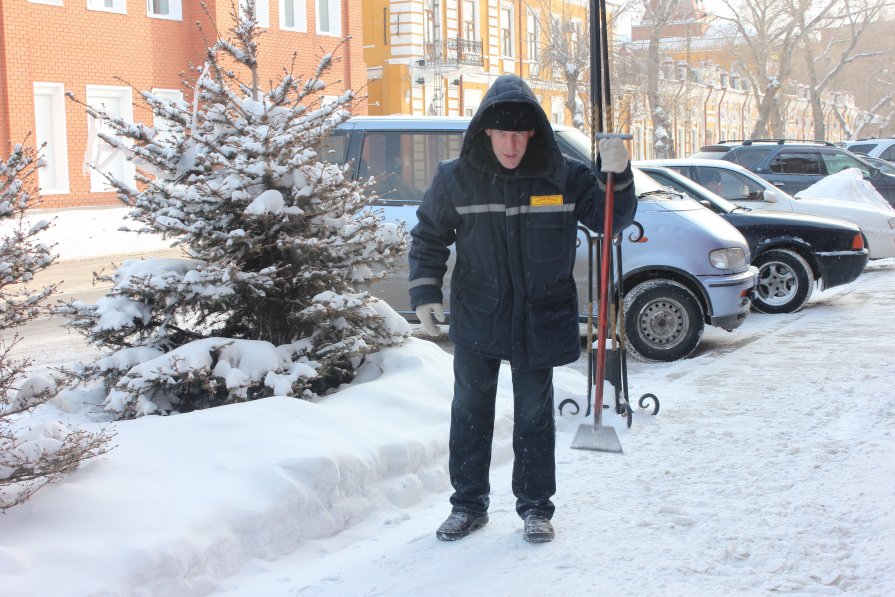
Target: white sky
{"x": 769, "y": 469}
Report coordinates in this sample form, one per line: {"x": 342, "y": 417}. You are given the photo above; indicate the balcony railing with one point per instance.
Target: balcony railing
{"x": 453, "y": 52}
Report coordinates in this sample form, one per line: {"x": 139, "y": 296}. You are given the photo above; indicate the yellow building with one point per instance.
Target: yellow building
{"x": 438, "y": 57}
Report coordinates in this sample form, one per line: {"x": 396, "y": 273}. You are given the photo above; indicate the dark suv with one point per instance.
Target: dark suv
{"x": 793, "y": 166}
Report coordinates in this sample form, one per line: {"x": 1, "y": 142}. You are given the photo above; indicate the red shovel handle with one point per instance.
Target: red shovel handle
{"x": 603, "y": 296}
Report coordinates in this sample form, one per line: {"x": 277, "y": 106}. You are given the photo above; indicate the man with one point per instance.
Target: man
{"x": 510, "y": 203}
{"x": 711, "y": 179}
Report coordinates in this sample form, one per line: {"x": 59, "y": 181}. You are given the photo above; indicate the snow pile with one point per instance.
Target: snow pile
{"x": 776, "y": 478}
{"x": 847, "y": 185}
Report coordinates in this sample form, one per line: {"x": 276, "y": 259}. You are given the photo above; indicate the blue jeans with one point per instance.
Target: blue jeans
{"x": 472, "y": 430}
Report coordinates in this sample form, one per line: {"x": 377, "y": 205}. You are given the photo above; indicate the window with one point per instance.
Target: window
{"x": 733, "y": 186}
{"x": 262, "y": 11}
{"x": 49, "y": 125}
{"x": 506, "y": 31}
{"x": 889, "y": 153}
{"x": 575, "y": 35}
{"x": 470, "y": 20}
{"x": 863, "y": 148}
{"x": 329, "y": 17}
{"x": 115, "y": 101}
{"x": 428, "y": 26}
{"x": 533, "y": 35}
{"x": 164, "y": 9}
{"x": 119, "y": 6}
{"x": 747, "y": 156}
{"x": 837, "y": 161}
{"x": 795, "y": 162}
{"x": 403, "y": 164}
{"x": 292, "y": 15}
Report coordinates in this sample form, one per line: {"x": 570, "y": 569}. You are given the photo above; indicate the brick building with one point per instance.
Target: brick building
{"x": 106, "y": 51}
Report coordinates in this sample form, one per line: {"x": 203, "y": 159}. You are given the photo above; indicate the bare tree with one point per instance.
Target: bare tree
{"x": 875, "y": 116}
{"x": 659, "y": 14}
{"x": 567, "y": 55}
{"x": 768, "y": 33}
{"x": 828, "y": 52}
{"x": 31, "y": 455}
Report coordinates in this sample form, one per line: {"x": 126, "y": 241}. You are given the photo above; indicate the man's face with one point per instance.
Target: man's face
{"x": 509, "y": 146}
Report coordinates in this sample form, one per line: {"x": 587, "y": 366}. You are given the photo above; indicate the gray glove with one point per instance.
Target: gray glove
{"x": 425, "y": 313}
{"x": 613, "y": 155}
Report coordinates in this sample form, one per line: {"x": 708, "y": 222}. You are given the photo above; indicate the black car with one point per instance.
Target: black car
{"x": 794, "y": 166}
{"x": 791, "y": 251}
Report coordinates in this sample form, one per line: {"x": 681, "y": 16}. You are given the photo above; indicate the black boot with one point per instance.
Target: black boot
{"x": 460, "y": 524}
{"x": 538, "y": 528}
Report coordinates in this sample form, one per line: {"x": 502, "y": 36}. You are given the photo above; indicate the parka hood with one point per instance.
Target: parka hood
{"x": 542, "y": 157}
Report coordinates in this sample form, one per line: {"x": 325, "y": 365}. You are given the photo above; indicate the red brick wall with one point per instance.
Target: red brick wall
{"x": 79, "y": 47}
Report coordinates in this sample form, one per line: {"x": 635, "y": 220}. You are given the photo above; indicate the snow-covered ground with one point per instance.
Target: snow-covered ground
{"x": 770, "y": 468}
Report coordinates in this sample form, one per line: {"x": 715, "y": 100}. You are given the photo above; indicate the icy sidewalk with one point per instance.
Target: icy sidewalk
{"x": 771, "y": 467}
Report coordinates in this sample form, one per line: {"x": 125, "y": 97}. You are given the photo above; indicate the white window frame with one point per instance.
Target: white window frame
{"x": 97, "y": 150}
{"x": 299, "y": 14}
{"x": 52, "y": 131}
{"x": 335, "y": 17}
{"x": 508, "y": 11}
{"x": 262, "y": 12}
{"x": 471, "y": 18}
{"x": 118, "y": 6}
{"x": 533, "y": 27}
{"x": 175, "y": 11}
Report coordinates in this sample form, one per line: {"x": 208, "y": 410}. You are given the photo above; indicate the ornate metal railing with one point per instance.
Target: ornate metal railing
{"x": 453, "y": 52}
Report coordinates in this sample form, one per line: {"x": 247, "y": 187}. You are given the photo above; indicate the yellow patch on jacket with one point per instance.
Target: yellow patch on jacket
{"x": 542, "y": 200}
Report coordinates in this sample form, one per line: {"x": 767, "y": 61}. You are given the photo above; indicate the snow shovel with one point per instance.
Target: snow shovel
{"x": 596, "y": 437}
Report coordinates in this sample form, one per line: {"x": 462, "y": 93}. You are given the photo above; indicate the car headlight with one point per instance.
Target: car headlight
{"x": 732, "y": 258}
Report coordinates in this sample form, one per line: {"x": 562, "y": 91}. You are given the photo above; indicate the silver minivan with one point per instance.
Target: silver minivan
{"x": 683, "y": 266}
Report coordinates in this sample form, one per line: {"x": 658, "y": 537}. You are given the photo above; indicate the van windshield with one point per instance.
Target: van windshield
{"x": 403, "y": 163}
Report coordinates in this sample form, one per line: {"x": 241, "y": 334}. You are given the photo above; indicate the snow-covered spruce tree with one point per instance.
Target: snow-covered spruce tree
{"x": 31, "y": 455}
{"x": 278, "y": 245}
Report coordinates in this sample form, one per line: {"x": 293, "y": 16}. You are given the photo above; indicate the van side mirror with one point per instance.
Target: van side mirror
{"x": 769, "y": 196}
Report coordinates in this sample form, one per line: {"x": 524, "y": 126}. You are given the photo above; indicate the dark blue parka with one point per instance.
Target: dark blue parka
{"x": 513, "y": 295}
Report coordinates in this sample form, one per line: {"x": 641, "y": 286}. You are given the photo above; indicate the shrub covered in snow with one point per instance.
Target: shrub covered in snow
{"x": 279, "y": 245}
{"x": 31, "y": 455}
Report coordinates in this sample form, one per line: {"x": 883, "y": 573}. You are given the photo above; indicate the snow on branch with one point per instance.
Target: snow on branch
{"x": 281, "y": 246}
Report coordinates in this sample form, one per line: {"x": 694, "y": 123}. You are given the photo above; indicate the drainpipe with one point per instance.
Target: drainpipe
{"x": 718, "y": 111}
{"x": 460, "y": 97}
{"x": 705, "y": 116}
{"x": 743, "y": 114}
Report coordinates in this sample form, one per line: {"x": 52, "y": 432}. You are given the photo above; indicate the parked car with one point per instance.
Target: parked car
{"x": 875, "y": 148}
{"x": 791, "y": 251}
{"x": 672, "y": 290}
{"x": 744, "y": 188}
{"x": 793, "y": 166}
{"x": 884, "y": 166}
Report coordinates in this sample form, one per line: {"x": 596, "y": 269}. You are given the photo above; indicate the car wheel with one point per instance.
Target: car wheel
{"x": 663, "y": 321}
{"x": 785, "y": 282}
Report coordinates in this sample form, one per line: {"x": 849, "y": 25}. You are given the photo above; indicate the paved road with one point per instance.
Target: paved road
{"x": 47, "y": 341}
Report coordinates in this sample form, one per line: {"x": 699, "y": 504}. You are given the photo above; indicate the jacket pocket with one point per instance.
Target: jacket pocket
{"x": 553, "y": 318}
{"x": 550, "y": 237}
{"x": 475, "y": 302}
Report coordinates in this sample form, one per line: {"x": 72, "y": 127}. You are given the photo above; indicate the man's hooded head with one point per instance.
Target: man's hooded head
{"x": 509, "y": 116}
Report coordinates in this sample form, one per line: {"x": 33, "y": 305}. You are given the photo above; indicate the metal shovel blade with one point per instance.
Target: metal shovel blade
{"x": 598, "y": 438}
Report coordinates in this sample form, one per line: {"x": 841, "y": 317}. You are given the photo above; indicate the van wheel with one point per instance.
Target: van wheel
{"x": 785, "y": 282}
{"x": 663, "y": 321}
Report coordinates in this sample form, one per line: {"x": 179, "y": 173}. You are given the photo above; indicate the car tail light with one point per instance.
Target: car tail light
{"x": 857, "y": 242}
